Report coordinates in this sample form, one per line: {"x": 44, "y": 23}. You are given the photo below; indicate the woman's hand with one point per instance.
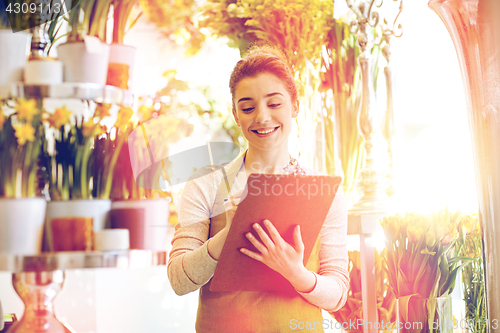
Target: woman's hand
{"x": 216, "y": 243}
{"x": 281, "y": 256}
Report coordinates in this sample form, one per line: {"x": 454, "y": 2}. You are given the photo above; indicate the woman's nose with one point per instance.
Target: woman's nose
{"x": 263, "y": 114}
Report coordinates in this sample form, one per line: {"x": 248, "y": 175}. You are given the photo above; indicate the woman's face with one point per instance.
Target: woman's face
{"x": 264, "y": 109}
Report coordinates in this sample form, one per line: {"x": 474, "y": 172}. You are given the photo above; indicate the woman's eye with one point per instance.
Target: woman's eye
{"x": 274, "y": 105}
{"x": 247, "y": 109}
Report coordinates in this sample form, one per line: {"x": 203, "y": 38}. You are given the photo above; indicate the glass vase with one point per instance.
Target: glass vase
{"x": 424, "y": 315}
{"x": 474, "y": 27}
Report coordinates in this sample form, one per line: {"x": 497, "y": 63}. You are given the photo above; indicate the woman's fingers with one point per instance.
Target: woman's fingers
{"x": 297, "y": 238}
{"x": 258, "y": 245}
{"x": 251, "y": 254}
{"x": 264, "y": 236}
{"x": 275, "y": 235}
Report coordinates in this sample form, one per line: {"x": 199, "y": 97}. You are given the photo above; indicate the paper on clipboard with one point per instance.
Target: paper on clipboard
{"x": 285, "y": 200}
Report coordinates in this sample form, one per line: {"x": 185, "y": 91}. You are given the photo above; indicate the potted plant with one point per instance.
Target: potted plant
{"x": 423, "y": 264}
{"x": 85, "y": 55}
{"x": 42, "y": 69}
{"x": 121, "y": 56}
{"x": 145, "y": 211}
{"x": 74, "y": 209}
{"x": 21, "y": 204}
{"x": 14, "y": 47}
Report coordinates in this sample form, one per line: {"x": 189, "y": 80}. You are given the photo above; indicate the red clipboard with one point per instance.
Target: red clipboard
{"x": 285, "y": 200}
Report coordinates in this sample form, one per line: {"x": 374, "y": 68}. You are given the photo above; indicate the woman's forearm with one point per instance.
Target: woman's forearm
{"x": 303, "y": 280}
{"x": 216, "y": 243}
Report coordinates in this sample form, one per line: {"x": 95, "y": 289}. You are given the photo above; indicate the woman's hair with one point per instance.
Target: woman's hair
{"x": 264, "y": 59}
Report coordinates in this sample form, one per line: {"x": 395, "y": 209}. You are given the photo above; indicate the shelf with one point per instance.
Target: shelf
{"x": 52, "y": 261}
{"x": 83, "y": 91}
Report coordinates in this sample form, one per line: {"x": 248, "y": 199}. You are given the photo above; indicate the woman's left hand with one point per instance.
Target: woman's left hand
{"x": 276, "y": 253}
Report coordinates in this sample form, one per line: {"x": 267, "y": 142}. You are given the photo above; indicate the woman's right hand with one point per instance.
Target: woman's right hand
{"x": 230, "y": 208}
{"x": 216, "y": 243}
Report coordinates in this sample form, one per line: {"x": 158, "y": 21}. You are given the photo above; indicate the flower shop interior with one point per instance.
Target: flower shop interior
{"x": 396, "y": 97}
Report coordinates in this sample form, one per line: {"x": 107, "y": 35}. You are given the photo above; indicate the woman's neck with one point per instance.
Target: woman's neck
{"x": 266, "y": 162}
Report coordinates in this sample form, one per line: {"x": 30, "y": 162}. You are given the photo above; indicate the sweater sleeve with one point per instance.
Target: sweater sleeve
{"x": 190, "y": 266}
{"x": 332, "y": 280}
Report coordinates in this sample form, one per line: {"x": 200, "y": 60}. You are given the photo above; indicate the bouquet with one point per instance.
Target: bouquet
{"x": 21, "y": 136}
{"x": 473, "y": 275}
{"x": 386, "y": 301}
{"x": 423, "y": 261}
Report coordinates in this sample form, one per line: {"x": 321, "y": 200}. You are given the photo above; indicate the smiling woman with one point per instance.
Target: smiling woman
{"x": 264, "y": 104}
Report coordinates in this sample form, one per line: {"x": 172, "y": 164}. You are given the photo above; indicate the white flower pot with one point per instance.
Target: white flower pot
{"x": 121, "y": 66}
{"x": 152, "y": 226}
{"x": 84, "y": 64}
{"x": 14, "y": 51}
{"x": 21, "y": 225}
{"x": 43, "y": 72}
{"x": 96, "y": 209}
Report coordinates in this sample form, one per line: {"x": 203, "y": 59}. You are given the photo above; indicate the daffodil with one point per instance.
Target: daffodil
{"x": 26, "y": 109}
{"x": 102, "y": 110}
{"x": 124, "y": 116}
{"x": 101, "y": 129}
{"x": 145, "y": 113}
{"x": 60, "y": 117}
{"x": 24, "y": 133}
{"x": 2, "y": 118}
{"x": 88, "y": 128}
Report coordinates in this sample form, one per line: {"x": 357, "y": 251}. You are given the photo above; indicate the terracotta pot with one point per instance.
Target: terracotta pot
{"x": 146, "y": 220}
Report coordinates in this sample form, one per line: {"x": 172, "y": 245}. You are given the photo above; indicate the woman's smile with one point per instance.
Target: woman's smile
{"x": 268, "y": 131}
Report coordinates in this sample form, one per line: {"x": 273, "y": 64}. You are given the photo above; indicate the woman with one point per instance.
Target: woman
{"x": 264, "y": 104}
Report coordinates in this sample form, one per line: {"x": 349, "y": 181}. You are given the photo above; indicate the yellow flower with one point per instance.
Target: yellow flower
{"x": 430, "y": 239}
{"x": 88, "y": 128}
{"x": 470, "y": 223}
{"x": 391, "y": 228}
{"x": 2, "y": 118}
{"x": 102, "y": 110}
{"x": 24, "y": 133}
{"x": 450, "y": 231}
{"x": 60, "y": 117}
{"x": 124, "y": 116}
{"x": 101, "y": 129}
{"x": 145, "y": 112}
{"x": 415, "y": 233}
{"x": 26, "y": 109}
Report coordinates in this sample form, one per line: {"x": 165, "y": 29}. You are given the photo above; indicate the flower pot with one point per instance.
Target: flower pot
{"x": 424, "y": 315}
{"x": 83, "y": 63}
{"x": 14, "y": 51}
{"x": 43, "y": 72}
{"x": 146, "y": 220}
{"x": 121, "y": 66}
{"x": 21, "y": 225}
{"x": 70, "y": 224}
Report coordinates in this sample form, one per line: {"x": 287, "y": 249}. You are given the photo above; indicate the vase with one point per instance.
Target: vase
{"x": 146, "y": 220}
{"x": 14, "y": 51}
{"x": 121, "y": 66}
{"x": 70, "y": 224}
{"x": 424, "y": 315}
{"x": 84, "y": 62}
{"x": 21, "y": 225}
{"x": 474, "y": 27}
{"x": 43, "y": 72}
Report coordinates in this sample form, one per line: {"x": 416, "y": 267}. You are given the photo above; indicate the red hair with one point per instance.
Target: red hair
{"x": 264, "y": 59}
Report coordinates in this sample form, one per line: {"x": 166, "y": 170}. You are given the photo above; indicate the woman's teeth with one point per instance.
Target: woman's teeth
{"x": 267, "y": 131}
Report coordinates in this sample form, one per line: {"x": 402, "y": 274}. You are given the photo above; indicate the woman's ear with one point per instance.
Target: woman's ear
{"x": 236, "y": 117}
{"x": 295, "y": 108}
